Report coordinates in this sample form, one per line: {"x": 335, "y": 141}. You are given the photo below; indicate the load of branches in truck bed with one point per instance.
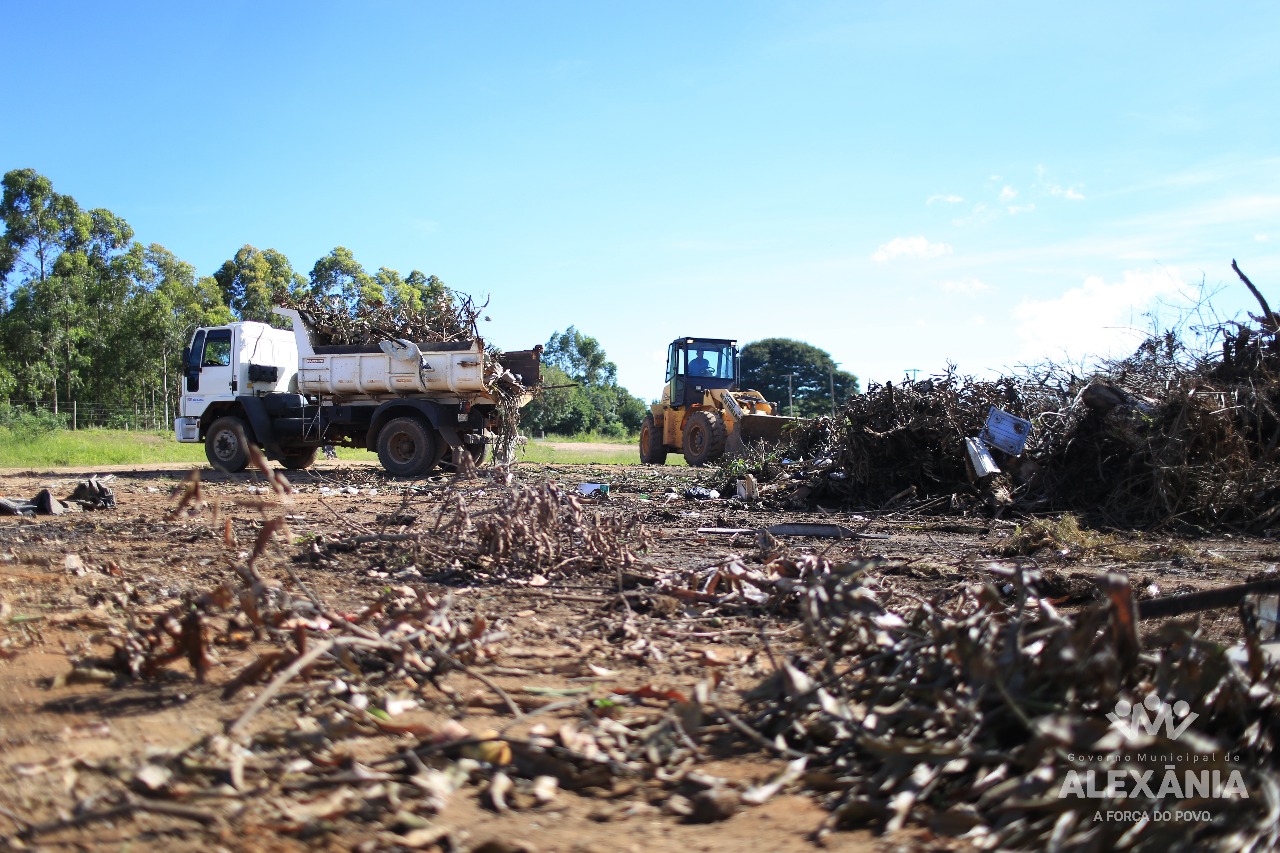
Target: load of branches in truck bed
{"x": 451, "y": 316}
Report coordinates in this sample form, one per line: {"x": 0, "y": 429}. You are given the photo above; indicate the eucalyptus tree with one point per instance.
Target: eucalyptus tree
{"x": 255, "y": 280}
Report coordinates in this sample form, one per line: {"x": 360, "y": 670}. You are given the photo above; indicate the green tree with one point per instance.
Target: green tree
{"x": 39, "y": 224}
{"x": 175, "y": 302}
{"x": 415, "y": 294}
{"x": 596, "y": 404}
{"x": 254, "y": 280}
{"x": 89, "y": 315}
{"x": 767, "y": 364}
{"x": 581, "y": 357}
{"x": 58, "y": 263}
{"x": 339, "y": 276}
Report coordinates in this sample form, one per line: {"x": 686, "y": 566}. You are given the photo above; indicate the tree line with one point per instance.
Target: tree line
{"x": 92, "y": 316}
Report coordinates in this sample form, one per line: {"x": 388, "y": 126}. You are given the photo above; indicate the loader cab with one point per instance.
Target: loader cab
{"x": 697, "y": 365}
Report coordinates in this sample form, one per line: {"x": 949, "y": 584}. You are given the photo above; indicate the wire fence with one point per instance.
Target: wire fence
{"x": 74, "y": 415}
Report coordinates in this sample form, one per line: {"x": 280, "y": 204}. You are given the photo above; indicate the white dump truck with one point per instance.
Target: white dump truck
{"x": 411, "y": 403}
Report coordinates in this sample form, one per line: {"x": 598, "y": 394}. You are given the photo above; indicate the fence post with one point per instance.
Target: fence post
{"x": 75, "y": 413}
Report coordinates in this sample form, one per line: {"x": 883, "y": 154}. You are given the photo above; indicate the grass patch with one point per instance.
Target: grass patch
{"x": 88, "y": 447}
{"x": 1067, "y": 536}
{"x": 619, "y": 454}
{"x": 57, "y": 448}
{"x": 595, "y": 438}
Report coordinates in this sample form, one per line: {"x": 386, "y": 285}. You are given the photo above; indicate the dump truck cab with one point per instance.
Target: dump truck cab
{"x": 702, "y": 413}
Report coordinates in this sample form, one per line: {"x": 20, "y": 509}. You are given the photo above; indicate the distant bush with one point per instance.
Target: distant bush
{"x": 31, "y": 423}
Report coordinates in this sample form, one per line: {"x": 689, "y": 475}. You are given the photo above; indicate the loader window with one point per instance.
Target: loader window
{"x": 711, "y": 360}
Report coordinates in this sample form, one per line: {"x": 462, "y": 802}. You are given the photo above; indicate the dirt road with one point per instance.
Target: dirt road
{"x": 590, "y": 665}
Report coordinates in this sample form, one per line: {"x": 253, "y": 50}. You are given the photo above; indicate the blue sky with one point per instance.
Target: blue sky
{"x": 902, "y": 184}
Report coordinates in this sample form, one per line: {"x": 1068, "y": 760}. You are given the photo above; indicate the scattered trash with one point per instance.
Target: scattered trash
{"x": 94, "y": 493}
{"x": 593, "y": 489}
{"x": 701, "y": 493}
{"x": 1005, "y": 432}
{"x": 90, "y": 494}
{"x": 981, "y": 464}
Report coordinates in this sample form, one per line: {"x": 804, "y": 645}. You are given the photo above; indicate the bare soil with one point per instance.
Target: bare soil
{"x": 70, "y": 747}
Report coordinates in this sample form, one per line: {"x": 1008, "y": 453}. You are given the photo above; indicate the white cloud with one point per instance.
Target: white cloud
{"x": 1008, "y": 194}
{"x": 980, "y": 214}
{"x": 1070, "y": 193}
{"x": 909, "y": 247}
{"x": 945, "y": 199}
{"x": 1262, "y": 238}
{"x": 1099, "y": 318}
{"x": 1015, "y": 209}
{"x": 966, "y": 286}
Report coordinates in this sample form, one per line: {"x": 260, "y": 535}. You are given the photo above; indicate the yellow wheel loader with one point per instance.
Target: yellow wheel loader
{"x": 702, "y": 414}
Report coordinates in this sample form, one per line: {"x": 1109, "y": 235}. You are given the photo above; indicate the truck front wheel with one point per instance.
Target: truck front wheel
{"x": 226, "y": 445}
{"x": 407, "y": 447}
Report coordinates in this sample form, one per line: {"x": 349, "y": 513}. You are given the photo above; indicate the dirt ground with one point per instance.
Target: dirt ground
{"x": 81, "y": 748}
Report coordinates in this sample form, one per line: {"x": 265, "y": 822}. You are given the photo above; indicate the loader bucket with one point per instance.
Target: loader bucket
{"x": 753, "y": 428}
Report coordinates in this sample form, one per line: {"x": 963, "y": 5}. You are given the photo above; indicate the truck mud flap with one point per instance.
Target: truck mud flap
{"x": 260, "y": 424}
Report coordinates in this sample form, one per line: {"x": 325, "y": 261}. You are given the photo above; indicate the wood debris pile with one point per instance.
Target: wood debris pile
{"x": 1166, "y": 438}
{"x": 989, "y": 719}
{"x": 531, "y": 531}
{"x": 894, "y": 437}
{"x": 449, "y": 316}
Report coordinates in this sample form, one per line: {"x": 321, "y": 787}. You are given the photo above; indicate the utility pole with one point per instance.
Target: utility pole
{"x": 831, "y": 377}
{"x": 791, "y": 397}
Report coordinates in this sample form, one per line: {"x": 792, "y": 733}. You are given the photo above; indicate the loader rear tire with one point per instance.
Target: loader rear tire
{"x": 703, "y": 438}
{"x": 653, "y": 451}
{"x": 407, "y": 447}
{"x": 226, "y": 445}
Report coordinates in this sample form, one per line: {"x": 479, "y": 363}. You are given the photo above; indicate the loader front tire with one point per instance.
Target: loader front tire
{"x": 226, "y": 445}
{"x": 703, "y": 438}
{"x": 407, "y": 447}
{"x": 653, "y": 451}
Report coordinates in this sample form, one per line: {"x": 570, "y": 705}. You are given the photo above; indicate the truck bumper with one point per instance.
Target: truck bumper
{"x": 186, "y": 429}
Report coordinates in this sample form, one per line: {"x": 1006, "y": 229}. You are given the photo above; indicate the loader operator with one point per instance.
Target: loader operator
{"x": 699, "y": 366}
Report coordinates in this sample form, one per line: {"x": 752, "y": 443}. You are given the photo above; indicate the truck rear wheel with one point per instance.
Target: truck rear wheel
{"x": 653, "y": 451}
{"x": 407, "y": 447}
{"x": 703, "y": 438}
{"x": 226, "y": 445}
{"x": 300, "y": 459}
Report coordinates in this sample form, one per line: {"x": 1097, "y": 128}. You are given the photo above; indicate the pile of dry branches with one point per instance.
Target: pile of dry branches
{"x": 988, "y": 717}
{"x": 905, "y": 436}
{"x": 450, "y": 317}
{"x": 1168, "y": 437}
{"x": 530, "y": 530}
